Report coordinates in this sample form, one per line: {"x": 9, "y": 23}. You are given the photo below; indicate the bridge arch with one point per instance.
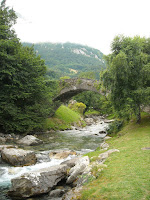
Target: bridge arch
{"x": 72, "y": 87}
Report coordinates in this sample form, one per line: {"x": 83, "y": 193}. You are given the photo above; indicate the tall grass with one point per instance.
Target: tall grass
{"x": 63, "y": 119}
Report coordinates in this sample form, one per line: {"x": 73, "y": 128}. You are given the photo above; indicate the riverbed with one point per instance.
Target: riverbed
{"x": 82, "y": 140}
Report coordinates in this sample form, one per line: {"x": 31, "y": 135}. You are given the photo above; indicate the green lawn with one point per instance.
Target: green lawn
{"x": 128, "y": 173}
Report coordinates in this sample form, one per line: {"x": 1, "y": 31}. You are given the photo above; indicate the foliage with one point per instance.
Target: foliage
{"x": 87, "y": 75}
{"x": 64, "y": 77}
{"x": 128, "y": 75}
{"x": 95, "y": 101}
{"x": 51, "y": 74}
{"x": 7, "y": 20}
{"x": 116, "y": 181}
{"x": 78, "y": 107}
{"x": 70, "y": 59}
{"x": 63, "y": 119}
{"x": 115, "y": 127}
{"x": 91, "y": 112}
{"x": 25, "y": 100}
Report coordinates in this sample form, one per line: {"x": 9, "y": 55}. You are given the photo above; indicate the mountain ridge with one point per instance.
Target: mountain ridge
{"x": 70, "y": 59}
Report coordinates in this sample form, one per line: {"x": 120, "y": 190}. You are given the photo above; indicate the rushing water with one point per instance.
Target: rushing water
{"x": 82, "y": 141}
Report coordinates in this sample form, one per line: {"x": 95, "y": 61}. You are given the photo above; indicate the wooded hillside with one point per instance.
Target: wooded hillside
{"x": 69, "y": 59}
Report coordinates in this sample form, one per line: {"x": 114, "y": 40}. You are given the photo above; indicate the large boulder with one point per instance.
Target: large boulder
{"x": 37, "y": 182}
{"x": 18, "y": 157}
{"x": 30, "y": 140}
{"x": 78, "y": 169}
{"x": 7, "y": 146}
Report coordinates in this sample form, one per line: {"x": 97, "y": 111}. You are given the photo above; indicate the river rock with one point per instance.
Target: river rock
{"x": 78, "y": 169}
{"x": 37, "y": 182}
{"x": 56, "y": 193}
{"x": 107, "y": 138}
{"x": 29, "y": 140}
{"x": 109, "y": 120}
{"x": 2, "y": 140}
{"x": 43, "y": 157}
{"x": 71, "y": 163}
{"x": 112, "y": 151}
{"x": 6, "y": 146}
{"x": 72, "y": 194}
{"x": 61, "y": 154}
{"x": 103, "y": 156}
{"x": 89, "y": 121}
{"x": 18, "y": 157}
{"x": 104, "y": 146}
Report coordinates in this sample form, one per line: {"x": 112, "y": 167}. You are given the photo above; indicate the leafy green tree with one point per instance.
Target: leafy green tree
{"x": 88, "y": 75}
{"x": 128, "y": 75}
{"x": 25, "y": 100}
{"x": 7, "y": 20}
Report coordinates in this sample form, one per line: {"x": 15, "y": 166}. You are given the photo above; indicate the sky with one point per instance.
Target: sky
{"x": 94, "y": 23}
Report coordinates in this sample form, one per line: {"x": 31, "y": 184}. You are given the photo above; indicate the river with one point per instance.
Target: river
{"x": 82, "y": 141}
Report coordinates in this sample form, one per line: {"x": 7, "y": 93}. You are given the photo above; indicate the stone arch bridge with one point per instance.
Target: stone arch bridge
{"x": 72, "y": 87}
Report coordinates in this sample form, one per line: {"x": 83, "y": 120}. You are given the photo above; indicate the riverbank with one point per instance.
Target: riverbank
{"x": 80, "y": 140}
{"x": 127, "y": 173}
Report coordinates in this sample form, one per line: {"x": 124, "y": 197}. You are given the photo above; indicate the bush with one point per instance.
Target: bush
{"x": 115, "y": 127}
{"x": 77, "y": 107}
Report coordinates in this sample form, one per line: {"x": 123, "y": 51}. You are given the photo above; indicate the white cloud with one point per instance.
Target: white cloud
{"x": 91, "y": 22}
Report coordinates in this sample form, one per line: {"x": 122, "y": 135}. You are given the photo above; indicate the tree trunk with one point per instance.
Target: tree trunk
{"x": 138, "y": 115}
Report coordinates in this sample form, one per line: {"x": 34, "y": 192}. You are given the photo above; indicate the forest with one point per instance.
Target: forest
{"x": 68, "y": 59}
{"x": 28, "y": 81}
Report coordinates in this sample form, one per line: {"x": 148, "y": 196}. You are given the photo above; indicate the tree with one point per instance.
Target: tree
{"x": 88, "y": 75}
{"x": 128, "y": 74}
{"x": 25, "y": 100}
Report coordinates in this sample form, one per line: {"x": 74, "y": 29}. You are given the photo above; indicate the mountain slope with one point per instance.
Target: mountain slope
{"x": 70, "y": 59}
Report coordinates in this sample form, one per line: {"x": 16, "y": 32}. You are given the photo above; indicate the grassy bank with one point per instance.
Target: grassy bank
{"x": 127, "y": 176}
{"x": 63, "y": 119}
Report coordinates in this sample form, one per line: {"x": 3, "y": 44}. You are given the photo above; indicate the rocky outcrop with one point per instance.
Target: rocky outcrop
{"x": 18, "y": 157}
{"x": 37, "y": 182}
{"x": 29, "y": 140}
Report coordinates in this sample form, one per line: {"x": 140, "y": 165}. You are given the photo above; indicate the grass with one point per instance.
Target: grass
{"x": 92, "y": 112}
{"x": 127, "y": 176}
{"x": 63, "y": 119}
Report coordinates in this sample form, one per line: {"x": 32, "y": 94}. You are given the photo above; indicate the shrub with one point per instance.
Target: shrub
{"x": 115, "y": 127}
{"x": 78, "y": 107}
